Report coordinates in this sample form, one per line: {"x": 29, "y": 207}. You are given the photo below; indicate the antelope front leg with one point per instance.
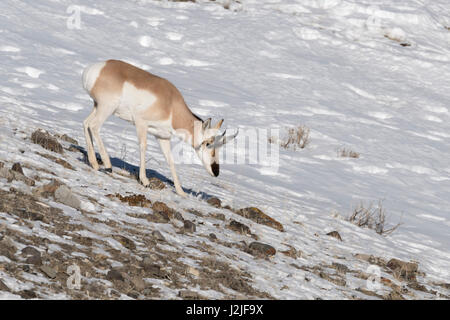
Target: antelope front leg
{"x": 142, "y": 137}
{"x": 165, "y": 147}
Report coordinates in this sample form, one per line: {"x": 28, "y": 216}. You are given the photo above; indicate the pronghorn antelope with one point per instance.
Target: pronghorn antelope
{"x": 154, "y": 105}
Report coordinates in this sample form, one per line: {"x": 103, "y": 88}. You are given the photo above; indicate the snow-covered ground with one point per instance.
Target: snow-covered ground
{"x": 372, "y": 78}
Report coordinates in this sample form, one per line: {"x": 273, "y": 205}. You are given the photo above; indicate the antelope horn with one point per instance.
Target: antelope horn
{"x": 220, "y": 140}
{"x": 207, "y": 124}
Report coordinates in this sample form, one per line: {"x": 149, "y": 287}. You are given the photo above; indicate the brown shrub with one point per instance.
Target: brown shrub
{"x": 372, "y": 217}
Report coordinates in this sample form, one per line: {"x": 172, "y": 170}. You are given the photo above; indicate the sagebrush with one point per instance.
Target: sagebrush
{"x": 372, "y": 217}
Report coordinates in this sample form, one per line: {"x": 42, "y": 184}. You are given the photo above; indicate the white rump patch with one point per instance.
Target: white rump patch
{"x": 90, "y": 75}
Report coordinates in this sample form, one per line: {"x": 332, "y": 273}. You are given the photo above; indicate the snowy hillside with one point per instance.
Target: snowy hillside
{"x": 369, "y": 78}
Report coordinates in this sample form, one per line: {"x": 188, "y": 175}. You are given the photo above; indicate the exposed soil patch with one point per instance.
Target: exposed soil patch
{"x": 57, "y": 160}
{"x": 11, "y": 175}
{"x": 134, "y": 200}
{"x": 215, "y": 202}
{"x": 26, "y": 206}
{"x": 66, "y": 138}
{"x": 261, "y": 250}
{"x": 260, "y": 217}
{"x": 216, "y": 273}
{"x": 156, "y": 184}
{"x": 403, "y": 270}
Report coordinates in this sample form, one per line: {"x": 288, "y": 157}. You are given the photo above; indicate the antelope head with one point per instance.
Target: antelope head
{"x": 207, "y": 141}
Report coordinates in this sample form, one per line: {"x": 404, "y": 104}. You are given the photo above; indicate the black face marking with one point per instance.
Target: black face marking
{"x": 215, "y": 169}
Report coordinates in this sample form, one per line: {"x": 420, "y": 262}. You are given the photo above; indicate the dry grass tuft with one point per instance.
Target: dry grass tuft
{"x": 347, "y": 153}
{"x": 295, "y": 138}
{"x": 372, "y": 217}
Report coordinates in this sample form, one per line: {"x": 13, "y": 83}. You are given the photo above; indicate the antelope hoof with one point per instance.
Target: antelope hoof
{"x": 181, "y": 193}
{"x": 145, "y": 182}
{"x": 108, "y": 170}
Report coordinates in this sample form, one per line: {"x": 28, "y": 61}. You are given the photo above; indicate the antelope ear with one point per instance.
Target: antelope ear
{"x": 207, "y": 123}
{"x": 218, "y": 124}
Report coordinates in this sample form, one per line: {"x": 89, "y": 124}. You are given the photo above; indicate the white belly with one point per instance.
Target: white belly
{"x": 161, "y": 129}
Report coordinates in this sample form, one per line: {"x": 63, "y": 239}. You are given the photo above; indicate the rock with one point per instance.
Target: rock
{"x": 48, "y": 189}
{"x": 33, "y": 256}
{"x": 193, "y": 271}
{"x": 363, "y": 256}
{"x": 3, "y": 286}
{"x": 335, "y": 234}
{"x": 159, "y": 206}
{"x": 1, "y": 164}
{"x": 218, "y": 216}
{"x": 155, "y": 271}
{"x": 7, "y": 174}
{"x": 340, "y": 268}
{"x": 292, "y": 252}
{"x": 49, "y": 272}
{"x": 138, "y": 283}
{"x": 158, "y": 236}
{"x": 371, "y": 259}
{"x": 395, "y": 264}
{"x": 369, "y": 293}
{"x": 239, "y": 227}
{"x": 393, "y": 295}
{"x": 212, "y": 236}
{"x": 30, "y": 251}
{"x": 260, "y": 217}
{"x": 66, "y": 138}
{"x": 133, "y": 294}
{"x": 258, "y": 248}
{"x": 148, "y": 261}
{"x": 11, "y": 175}
{"x": 65, "y": 196}
{"x": 158, "y": 217}
{"x": 189, "y": 226}
{"x": 134, "y": 200}
{"x": 417, "y": 286}
{"x": 127, "y": 243}
{"x": 7, "y": 248}
{"x": 25, "y": 206}
{"x": 17, "y": 168}
{"x": 45, "y": 140}
{"x": 36, "y": 260}
{"x": 189, "y": 295}
{"x": 114, "y": 275}
{"x": 336, "y": 280}
{"x": 195, "y": 212}
{"x": 404, "y": 270}
{"x": 59, "y": 161}
{"x": 215, "y": 202}
{"x": 156, "y": 184}
{"x": 178, "y": 216}
{"x": 28, "y": 294}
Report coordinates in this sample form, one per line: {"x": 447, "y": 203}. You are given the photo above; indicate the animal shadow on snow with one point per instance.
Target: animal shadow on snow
{"x": 134, "y": 171}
